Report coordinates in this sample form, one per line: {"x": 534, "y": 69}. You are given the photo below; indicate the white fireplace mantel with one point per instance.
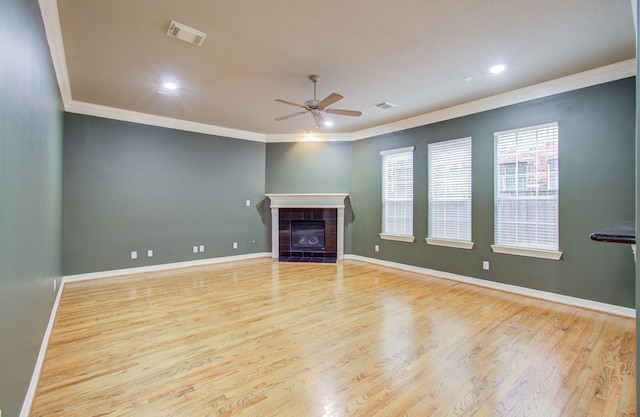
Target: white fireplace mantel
{"x": 279, "y": 201}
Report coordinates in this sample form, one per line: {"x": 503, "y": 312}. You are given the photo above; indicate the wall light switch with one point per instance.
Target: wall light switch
{"x": 195, "y": 249}
{"x": 485, "y": 265}
{"x": 235, "y": 245}
{"x": 201, "y": 248}
{"x": 376, "y": 248}
{"x": 149, "y": 253}
{"x": 134, "y": 254}
{"x": 248, "y": 203}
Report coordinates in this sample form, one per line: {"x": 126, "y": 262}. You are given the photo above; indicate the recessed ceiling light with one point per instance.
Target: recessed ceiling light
{"x": 497, "y": 69}
{"x": 328, "y": 123}
{"x": 170, "y": 85}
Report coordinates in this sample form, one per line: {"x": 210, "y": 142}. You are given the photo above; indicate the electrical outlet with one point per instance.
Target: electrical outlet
{"x": 195, "y": 249}
{"x": 149, "y": 253}
{"x": 235, "y": 245}
{"x": 376, "y": 248}
{"x": 134, "y": 254}
{"x": 201, "y": 248}
{"x": 248, "y": 203}
{"x": 485, "y": 265}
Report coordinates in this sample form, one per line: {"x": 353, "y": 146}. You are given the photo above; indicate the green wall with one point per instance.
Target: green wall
{"x": 131, "y": 187}
{"x": 311, "y": 167}
{"x": 30, "y": 195}
{"x": 308, "y": 167}
{"x": 597, "y": 189}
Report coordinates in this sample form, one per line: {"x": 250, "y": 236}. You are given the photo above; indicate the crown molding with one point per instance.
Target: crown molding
{"x": 51, "y": 20}
{"x": 50, "y": 17}
{"x": 90, "y": 109}
{"x": 590, "y": 78}
{"x": 309, "y": 137}
{"x": 585, "y": 79}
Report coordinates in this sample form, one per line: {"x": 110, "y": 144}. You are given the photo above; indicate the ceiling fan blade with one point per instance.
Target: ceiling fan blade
{"x": 290, "y": 103}
{"x": 291, "y": 115}
{"x": 329, "y": 100}
{"x": 317, "y": 117}
{"x": 344, "y": 112}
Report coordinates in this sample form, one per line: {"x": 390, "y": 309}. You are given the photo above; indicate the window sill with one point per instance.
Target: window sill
{"x": 459, "y": 244}
{"x": 532, "y": 253}
{"x": 399, "y": 238}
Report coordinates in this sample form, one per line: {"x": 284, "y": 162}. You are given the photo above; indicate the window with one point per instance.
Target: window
{"x": 450, "y": 193}
{"x": 397, "y": 194}
{"x": 510, "y": 177}
{"x": 526, "y": 192}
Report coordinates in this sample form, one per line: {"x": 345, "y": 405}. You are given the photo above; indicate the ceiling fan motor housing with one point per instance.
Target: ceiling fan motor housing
{"x": 312, "y": 104}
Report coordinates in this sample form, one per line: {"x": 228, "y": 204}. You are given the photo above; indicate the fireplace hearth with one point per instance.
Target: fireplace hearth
{"x": 314, "y": 257}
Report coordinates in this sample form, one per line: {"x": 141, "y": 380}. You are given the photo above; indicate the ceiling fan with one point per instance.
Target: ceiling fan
{"x": 315, "y": 106}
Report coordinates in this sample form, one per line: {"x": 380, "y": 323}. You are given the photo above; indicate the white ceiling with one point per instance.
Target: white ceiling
{"x": 413, "y": 53}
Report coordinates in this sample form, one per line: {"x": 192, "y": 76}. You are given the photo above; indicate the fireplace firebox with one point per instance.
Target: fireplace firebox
{"x": 307, "y": 236}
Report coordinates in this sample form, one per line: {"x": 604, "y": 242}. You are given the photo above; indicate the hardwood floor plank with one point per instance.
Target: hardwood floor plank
{"x": 261, "y": 338}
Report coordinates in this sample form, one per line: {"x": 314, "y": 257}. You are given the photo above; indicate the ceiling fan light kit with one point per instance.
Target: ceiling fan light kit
{"x": 317, "y": 107}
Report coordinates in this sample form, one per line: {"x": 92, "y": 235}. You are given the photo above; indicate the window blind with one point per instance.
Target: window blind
{"x": 397, "y": 191}
{"x": 450, "y": 189}
{"x": 526, "y": 187}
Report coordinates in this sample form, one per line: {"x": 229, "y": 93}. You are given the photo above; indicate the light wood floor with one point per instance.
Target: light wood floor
{"x": 260, "y": 338}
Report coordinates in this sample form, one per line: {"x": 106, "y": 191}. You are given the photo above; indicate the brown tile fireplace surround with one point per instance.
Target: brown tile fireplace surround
{"x": 287, "y": 209}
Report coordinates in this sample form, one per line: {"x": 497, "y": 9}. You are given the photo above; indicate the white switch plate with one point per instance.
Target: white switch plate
{"x": 195, "y": 249}
{"x": 485, "y": 265}
{"x": 235, "y": 245}
{"x": 248, "y": 203}
{"x": 149, "y": 253}
{"x": 201, "y": 248}
{"x": 134, "y": 254}
{"x": 377, "y": 248}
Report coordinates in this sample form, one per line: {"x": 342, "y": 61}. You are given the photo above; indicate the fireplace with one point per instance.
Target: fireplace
{"x": 310, "y": 210}
{"x": 307, "y": 236}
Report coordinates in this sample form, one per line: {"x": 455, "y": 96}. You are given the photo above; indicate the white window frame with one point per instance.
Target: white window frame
{"x": 525, "y": 181}
{"x": 385, "y": 234}
{"x": 449, "y": 173}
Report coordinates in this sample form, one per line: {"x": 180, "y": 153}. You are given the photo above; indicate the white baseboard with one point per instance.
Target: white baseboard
{"x": 163, "y": 267}
{"x": 528, "y": 292}
{"x": 33, "y": 385}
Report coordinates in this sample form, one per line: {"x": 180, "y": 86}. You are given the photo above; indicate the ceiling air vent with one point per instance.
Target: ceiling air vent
{"x": 385, "y": 105}
{"x": 186, "y": 33}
